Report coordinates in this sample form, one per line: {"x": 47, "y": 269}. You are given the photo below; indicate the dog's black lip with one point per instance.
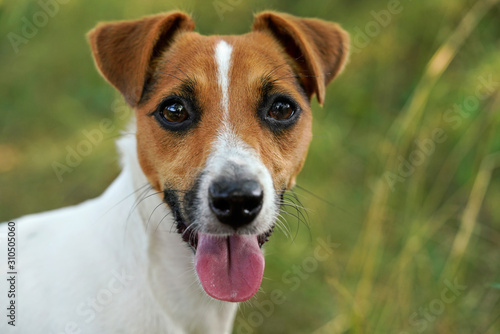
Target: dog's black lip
{"x": 189, "y": 236}
{"x": 172, "y": 200}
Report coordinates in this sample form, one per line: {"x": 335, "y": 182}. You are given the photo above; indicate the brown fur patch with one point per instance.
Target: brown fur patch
{"x": 268, "y": 54}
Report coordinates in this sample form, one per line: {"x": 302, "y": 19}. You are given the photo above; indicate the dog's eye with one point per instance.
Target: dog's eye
{"x": 281, "y": 110}
{"x": 175, "y": 112}
{"x": 278, "y": 112}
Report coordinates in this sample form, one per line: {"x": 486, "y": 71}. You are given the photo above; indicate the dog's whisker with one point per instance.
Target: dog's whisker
{"x": 284, "y": 77}
{"x": 295, "y": 196}
{"x": 300, "y": 209}
{"x": 182, "y": 80}
{"x": 304, "y": 209}
{"x": 280, "y": 223}
{"x": 137, "y": 200}
{"x": 285, "y": 228}
{"x": 161, "y": 220}
{"x": 189, "y": 79}
{"x": 195, "y": 232}
{"x": 299, "y": 204}
{"x": 147, "y": 223}
{"x": 268, "y": 74}
{"x": 304, "y": 218}
{"x": 123, "y": 199}
{"x": 322, "y": 199}
{"x": 294, "y": 205}
{"x": 191, "y": 226}
{"x": 146, "y": 197}
{"x": 298, "y": 217}
{"x": 173, "y": 226}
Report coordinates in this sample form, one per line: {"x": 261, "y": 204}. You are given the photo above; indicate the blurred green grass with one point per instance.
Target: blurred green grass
{"x": 397, "y": 248}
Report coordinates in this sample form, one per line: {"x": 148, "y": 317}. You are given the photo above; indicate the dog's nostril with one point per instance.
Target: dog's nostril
{"x": 235, "y": 203}
{"x": 252, "y": 202}
{"x": 221, "y": 204}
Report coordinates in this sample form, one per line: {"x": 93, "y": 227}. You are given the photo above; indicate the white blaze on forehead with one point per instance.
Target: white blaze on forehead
{"x": 230, "y": 155}
{"x": 223, "y": 58}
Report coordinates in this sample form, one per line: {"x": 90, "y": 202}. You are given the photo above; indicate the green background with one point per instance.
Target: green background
{"x": 411, "y": 74}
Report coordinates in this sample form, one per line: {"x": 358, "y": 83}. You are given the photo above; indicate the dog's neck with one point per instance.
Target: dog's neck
{"x": 157, "y": 254}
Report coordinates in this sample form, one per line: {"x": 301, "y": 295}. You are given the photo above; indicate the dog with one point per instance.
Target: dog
{"x": 222, "y": 127}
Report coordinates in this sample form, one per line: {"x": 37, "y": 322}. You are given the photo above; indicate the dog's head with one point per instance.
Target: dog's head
{"x": 223, "y": 126}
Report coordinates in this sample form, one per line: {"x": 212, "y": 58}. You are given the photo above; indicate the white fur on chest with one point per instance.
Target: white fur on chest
{"x": 104, "y": 266}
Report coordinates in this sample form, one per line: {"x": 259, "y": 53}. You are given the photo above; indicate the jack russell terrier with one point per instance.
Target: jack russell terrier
{"x": 222, "y": 127}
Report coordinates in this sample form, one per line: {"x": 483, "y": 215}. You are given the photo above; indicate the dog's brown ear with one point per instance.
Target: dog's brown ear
{"x": 125, "y": 51}
{"x": 318, "y": 48}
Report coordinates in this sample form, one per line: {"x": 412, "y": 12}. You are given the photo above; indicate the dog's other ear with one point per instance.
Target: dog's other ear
{"x": 125, "y": 51}
{"x": 318, "y": 48}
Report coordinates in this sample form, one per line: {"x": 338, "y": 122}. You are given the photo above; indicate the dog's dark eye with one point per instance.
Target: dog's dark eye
{"x": 174, "y": 113}
{"x": 281, "y": 110}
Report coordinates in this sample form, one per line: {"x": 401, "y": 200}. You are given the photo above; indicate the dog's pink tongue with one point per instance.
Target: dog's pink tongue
{"x": 229, "y": 268}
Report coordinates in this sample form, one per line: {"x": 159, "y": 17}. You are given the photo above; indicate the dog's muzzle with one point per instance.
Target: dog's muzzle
{"x": 226, "y": 217}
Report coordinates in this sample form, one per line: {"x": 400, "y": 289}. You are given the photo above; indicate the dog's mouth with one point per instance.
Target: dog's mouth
{"x": 230, "y": 267}
{"x": 190, "y": 236}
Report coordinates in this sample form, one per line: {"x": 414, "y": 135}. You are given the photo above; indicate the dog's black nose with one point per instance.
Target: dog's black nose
{"x": 235, "y": 203}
